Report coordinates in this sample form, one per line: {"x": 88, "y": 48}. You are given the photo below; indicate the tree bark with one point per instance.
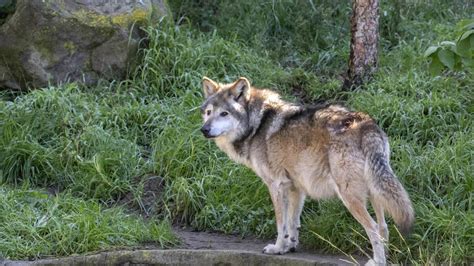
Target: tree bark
{"x": 364, "y": 40}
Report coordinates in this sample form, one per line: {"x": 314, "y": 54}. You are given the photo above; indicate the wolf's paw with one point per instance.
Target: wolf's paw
{"x": 372, "y": 262}
{"x": 274, "y": 249}
{"x": 292, "y": 244}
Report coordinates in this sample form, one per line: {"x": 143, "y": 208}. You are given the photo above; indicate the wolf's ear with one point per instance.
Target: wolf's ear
{"x": 241, "y": 89}
{"x": 209, "y": 87}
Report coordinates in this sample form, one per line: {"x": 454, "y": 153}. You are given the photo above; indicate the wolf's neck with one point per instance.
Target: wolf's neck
{"x": 230, "y": 149}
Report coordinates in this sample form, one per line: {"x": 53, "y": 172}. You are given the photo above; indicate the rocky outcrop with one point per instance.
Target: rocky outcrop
{"x": 53, "y": 41}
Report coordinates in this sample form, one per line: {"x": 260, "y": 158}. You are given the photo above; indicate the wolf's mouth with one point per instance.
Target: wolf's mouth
{"x": 209, "y": 136}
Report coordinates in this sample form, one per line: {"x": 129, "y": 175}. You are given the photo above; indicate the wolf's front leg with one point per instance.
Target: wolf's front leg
{"x": 279, "y": 193}
{"x": 295, "y": 205}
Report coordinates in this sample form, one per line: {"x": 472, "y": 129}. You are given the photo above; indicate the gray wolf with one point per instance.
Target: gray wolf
{"x": 319, "y": 151}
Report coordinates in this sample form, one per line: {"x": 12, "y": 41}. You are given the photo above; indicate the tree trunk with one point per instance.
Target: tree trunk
{"x": 364, "y": 39}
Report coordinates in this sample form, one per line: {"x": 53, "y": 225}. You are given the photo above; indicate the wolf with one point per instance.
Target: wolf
{"x": 317, "y": 151}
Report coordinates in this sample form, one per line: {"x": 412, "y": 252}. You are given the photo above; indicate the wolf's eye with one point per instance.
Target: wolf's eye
{"x": 208, "y": 112}
{"x": 224, "y": 113}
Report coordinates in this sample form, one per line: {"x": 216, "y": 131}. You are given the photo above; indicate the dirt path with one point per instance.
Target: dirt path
{"x": 216, "y": 241}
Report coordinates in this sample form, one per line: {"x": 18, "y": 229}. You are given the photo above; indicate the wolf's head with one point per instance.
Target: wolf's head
{"x": 224, "y": 109}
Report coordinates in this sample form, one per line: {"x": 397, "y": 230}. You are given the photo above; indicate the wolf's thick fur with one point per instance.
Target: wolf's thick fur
{"x": 298, "y": 151}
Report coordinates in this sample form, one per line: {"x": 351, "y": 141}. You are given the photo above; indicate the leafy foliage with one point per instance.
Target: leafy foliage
{"x": 454, "y": 55}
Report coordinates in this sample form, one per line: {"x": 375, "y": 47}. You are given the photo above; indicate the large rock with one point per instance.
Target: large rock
{"x": 52, "y": 41}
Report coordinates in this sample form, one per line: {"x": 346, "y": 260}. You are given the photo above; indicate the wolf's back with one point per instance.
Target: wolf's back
{"x": 384, "y": 185}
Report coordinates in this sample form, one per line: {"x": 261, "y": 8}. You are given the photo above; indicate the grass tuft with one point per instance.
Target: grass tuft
{"x": 34, "y": 224}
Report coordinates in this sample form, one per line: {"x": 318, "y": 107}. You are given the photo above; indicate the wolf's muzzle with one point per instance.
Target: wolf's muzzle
{"x": 206, "y": 131}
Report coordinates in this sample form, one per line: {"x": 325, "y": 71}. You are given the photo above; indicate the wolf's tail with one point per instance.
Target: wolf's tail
{"x": 384, "y": 186}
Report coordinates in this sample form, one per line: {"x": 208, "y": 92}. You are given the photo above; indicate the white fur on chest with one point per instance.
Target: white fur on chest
{"x": 228, "y": 148}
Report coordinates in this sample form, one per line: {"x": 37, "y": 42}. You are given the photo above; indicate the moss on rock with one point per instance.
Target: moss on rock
{"x": 70, "y": 40}
{"x": 70, "y": 47}
{"x": 92, "y": 18}
{"x": 139, "y": 16}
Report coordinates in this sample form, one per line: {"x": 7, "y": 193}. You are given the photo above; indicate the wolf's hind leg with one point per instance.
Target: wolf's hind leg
{"x": 295, "y": 206}
{"x": 357, "y": 208}
{"x": 379, "y": 213}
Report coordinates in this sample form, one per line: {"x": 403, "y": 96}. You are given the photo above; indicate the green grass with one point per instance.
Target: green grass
{"x": 97, "y": 146}
{"x": 34, "y": 223}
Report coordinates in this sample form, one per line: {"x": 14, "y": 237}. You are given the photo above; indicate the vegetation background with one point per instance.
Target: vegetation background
{"x": 113, "y": 166}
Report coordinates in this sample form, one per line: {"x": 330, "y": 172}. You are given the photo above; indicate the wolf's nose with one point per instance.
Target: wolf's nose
{"x": 205, "y": 130}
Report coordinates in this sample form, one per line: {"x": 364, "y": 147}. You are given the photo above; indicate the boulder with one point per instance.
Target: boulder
{"x": 54, "y": 41}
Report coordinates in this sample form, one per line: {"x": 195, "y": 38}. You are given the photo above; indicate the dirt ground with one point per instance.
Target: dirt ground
{"x": 216, "y": 241}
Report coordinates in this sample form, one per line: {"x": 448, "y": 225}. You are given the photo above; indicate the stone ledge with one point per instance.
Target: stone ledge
{"x": 182, "y": 257}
